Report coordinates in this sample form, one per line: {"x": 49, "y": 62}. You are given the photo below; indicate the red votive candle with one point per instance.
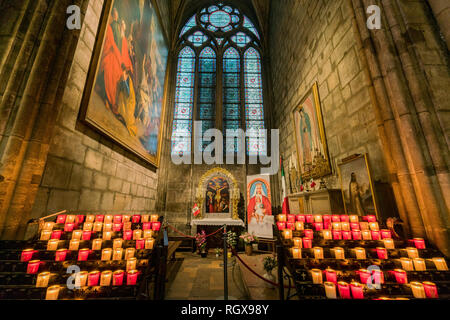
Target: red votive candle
{"x": 156, "y": 226}
{"x": 430, "y": 290}
{"x": 33, "y": 266}
{"x": 68, "y": 227}
{"x": 301, "y": 218}
{"x": 79, "y": 219}
{"x": 378, "y": 276}
{"x": 290, "y": 225}
{"x": 60, "y": 255}
{"x": 318, "y": 226}
{"x": 326, "y": 218}
{"x": 61, "y": 219}
{"x": 86, "y": 235}
{"x": 370, "y": 218}
{"x": 346, "y": 235}
{"x": 419, "y": 243}
{"x": 309, "y": 233}
{"x": 132, "y": 277}
{"x": 354, "y": 225}
{"x": 99, "y": 218}
{"x": 93, "y": 278}
{"x": 364, "y": 276}
{"x": 375, "y": 235}
{"x": 56, "y": 234}
{"x": 356, "y": 234}
{"x": 345, "y": 218}
{"x": 148, "y": 225}
{"x": 382, "y": 253}
{"x": 385, "y": 234}
{"x": 140, "y": 244}
{"x": 83, "y": 254}
{"x": 327, "y": 225}
{"x": 117, "y": 227}
{"x": 344, "y": 290}
{"x": 290, "y": 218}
{"x": 136, "y": 218}
{"x": 128, "y": 235}
{"x": 309, "y": 218}
{"x": 335, "y": 218}
{"x": 337, "y": 235}
{"x": 118, "y": 278}
{"x": 357, "y": 290}
{"x": 27, "y": 255}
{"x": 400, "y": 276}
{"x": 307, "y": 243}
{"x": 331, "y": 275}
{"x": 117, "y": 219}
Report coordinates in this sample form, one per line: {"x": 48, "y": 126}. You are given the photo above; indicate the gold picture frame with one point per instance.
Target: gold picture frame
{"x": 310, "y": 139}
{"x": 354, "y": 173}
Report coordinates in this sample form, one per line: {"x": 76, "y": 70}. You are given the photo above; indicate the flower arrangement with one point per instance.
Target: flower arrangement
{"x": 269, "y": 264}
{"x": 248, "y": 238}
{"x": 231, "y": 239}
{"x": 200, "y": 240}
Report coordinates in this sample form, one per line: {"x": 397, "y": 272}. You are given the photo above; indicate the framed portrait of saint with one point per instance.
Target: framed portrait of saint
{"x": 310, "y": 140}
{"x": 124, "y": 96}
{"x": 357, "y": 186}
{"x": 259, "y": 207}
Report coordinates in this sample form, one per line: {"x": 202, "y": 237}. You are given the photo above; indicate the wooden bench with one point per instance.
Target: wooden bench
{"x": 171, "y": 249}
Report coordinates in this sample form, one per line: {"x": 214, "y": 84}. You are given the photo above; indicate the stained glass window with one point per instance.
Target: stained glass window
{"x": 189, "y": 25}
{"x": 254, "y": 109}
{"x": 241, "y": 39}
{"x": 207, "y": 90}
{"x": 184, "y": 100}
{"x": 249, "y": 25}
{"x": 198, "y": 38}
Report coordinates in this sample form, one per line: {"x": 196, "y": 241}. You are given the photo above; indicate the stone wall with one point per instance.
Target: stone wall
{"x": 313, "y": 41}
{"x": 85, "y": 172}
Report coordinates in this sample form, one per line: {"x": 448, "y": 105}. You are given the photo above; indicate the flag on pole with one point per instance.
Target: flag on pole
{"x": 195, "y": 210}
{"x": 285, "y": 207}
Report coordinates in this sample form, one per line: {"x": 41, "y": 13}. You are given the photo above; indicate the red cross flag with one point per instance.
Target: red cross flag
{"x": 195, "y": 210}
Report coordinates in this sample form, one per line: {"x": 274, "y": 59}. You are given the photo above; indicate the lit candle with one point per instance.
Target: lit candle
{"x": 71, "y": 218}
{"x": 156, "y": 226}
{"x": 385, "y": 234}
{"x": 42, "y": 280}
{"x": 344, "y": 218}
{"x": 440, "y": 264}
{"x": 61, "y": 255}
{"x": 330, "y": 290}
{"x": 337, "y": 235}
{"x": 301, "y": 218}
{"x": 370, "y": 218}
{"x": 316, "y": 276}
{"x": 336, "y": 218}
{"x": 419, "y": 264}
{"x": 90, "y": 218}
{"x": 117, "y": 243}
{"x": 105, "y": 279}
{"x": 83, "y": 254}
{"x": 287, "y": 234}
{"x": 299, "y": 225}
{"x": 99, "y": 218}
{"x": 337, "y": 226}
{"x": 117, "y": 219}
{"x": 145, "y": 218}
{"x": 147, "y": 234}
{"x": 52, "y": 293}
{"x": 97, "y": 244}
{"x": 52, "y": 245}
{"x": 81, "y": 278}
{"x": 400, "y": 276}
{"x": 308, "y": 233}
{"x": 407, "y": 264}
{"x": 307, "y": 243}
{"x": 327, "y": 234}
{"x": 61, "y": 219}
{"x": 136, "y": 218}
{"x": 354, "y": 218}
{"x": 412, "y": 252}
{"x": 365, "y": 276}
{"x": 56, "y": 234}
{"x": 357, "y": 290}
{"x": 74, "y": 245}
{"x": 154, "y": 218}
{"x": 317, "y": 218}
{"x": 127, "y": 234}
{"x": 344, "y": 290}
{"x": 129, "y": 253}
{"x": 339, "y": 253}
{"x": 419, "y": 243}
{"x": 93, "y": 278}
{"x": 76, "y": 234}
{"x": 297, "y": 242}
{"x": 137, "y": 234}
{"x": 309, "y": 218}
{"x": 27, "y": 255}
{"x": 132, "y": 276}
{"x": 346, "y": 235}
{"x": 318, "y": 253}
{"x": 318, "y": 226}
{"x": 360, "y": 253}
{"x": 378, "y": 276}
{"x": 33, "y": 266}
{"x": 107, "y": 235}
{"x": 297, "y": 253}
{"x": 117, "y": 227}
{"x": 98, "y": 226}
{"x": 79, "y": 219}
{"x": 290, "y": 225}
{"x": 290, "y": 218}
{"x": 108, "y": 218}
{"x": 117, "y": 255}
{"x": 356, "y": 234}
{"x": 326, "y": 218}
{"x": 418, "y": 290}
{"x": 331, "y": 275}
{"x": 131, "y": 264}
{"x": 68, "y": 227}
{"x": 345, "y": 226}
{"x": 106, "y": 254}
{"x": 107, "y": 226}
{"x": 389, "y": 243}
{"x": 126, "y": 218}
{"x": 374, "y": 226}
{"x": 382, "y": 253}
{"x": 430, "y": 290}
{"x": 375, "y": 234}
{"x": 364, "y": 225}
{"x": 140, "y": 244}
{"x": 148, "y": 225}
{"x": 45, "y": 235}
{"x": 149, "y": 243}
{"x": 366, "y": 235}
{"x": 86, "y": 235}
{"x": 354, "y": 225}
{"x": 118, "y": 278}
{"x": 48, "y": 226}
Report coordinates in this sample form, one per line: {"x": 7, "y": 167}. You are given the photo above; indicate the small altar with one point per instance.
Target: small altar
{"x": 211, "y": 225}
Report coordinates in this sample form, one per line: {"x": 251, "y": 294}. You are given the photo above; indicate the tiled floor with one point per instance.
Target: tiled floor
{"x": 202, "y": 279}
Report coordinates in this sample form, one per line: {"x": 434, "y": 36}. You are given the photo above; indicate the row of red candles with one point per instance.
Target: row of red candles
{"x": 352, "y": 235}
{"x": 61, "y": 219}
{"x": 319, "y": 226}
{"x": 309, "y": 218}
{"x": 92, "y": 278}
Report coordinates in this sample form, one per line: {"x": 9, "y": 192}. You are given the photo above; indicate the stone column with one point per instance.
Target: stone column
{"x": 441, "y": 11}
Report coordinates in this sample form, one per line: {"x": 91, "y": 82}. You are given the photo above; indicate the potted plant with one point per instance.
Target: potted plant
{"x": 248, "y": 239}
{"x": 231, "y": 241}
{"x": 269, "y": 263}
{"x": 200, "y": 239}
{"x": 218, "y": 252}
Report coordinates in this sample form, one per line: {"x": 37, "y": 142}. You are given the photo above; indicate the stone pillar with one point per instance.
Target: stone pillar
{"x": 441, "y": 10}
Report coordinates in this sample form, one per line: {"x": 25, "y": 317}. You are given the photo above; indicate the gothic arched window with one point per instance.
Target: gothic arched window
{"x": 219, "y": 74}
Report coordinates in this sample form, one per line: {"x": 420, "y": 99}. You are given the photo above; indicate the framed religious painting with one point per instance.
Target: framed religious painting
{"x": 259, "y": 207}
{"x": 124, "y": 97}
{"x": 310, "y": 140}
{"x": 357, "y": 186}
